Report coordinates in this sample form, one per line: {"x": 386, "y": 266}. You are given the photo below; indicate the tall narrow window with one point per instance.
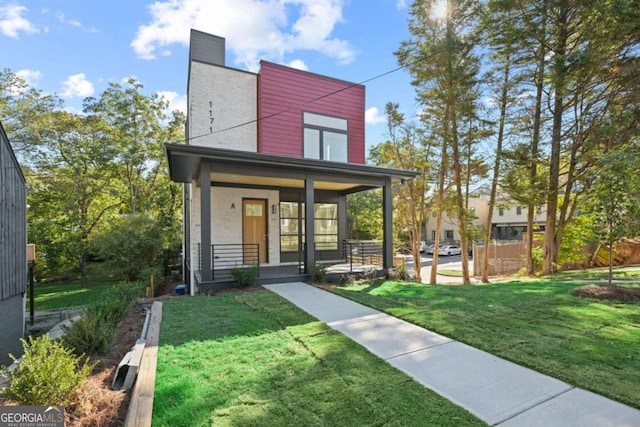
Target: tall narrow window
{"x": 325, "y": 138}
{"x": 519, "y": 210}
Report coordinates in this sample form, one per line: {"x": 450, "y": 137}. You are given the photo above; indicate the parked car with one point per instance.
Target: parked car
{"x": 423, "y": 246}
{"x": 449, "y": 250}
{"x": 430, "y": 248}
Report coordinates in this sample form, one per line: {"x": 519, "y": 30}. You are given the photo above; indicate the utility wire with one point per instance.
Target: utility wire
{"x": 326, "y": 95}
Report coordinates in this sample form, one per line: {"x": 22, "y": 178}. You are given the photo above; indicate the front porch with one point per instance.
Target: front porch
{"x": 357, "y": 257}
{"x": 290, "y": 213}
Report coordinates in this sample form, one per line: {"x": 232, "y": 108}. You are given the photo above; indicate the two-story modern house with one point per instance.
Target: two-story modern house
{"x": 509, "y": 221}
{"x": 13, "y": 251}
{"x": 269, "y": 160}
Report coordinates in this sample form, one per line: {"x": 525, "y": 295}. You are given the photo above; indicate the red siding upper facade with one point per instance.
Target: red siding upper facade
{"x": 285, "y": 93}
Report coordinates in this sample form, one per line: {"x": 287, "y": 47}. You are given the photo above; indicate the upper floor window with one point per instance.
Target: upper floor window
{"x": 519, "y": 210}
{"x": 325, "y": 137}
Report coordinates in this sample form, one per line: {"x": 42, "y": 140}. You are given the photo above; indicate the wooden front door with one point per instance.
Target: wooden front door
{"x": 254, "y": 230}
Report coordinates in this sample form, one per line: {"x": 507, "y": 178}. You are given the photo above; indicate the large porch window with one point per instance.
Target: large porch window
{"x": 292, "y": 230}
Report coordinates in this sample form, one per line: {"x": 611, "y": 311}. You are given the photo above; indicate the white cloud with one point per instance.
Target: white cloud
{"x": 401, "y": 4}
{"x": 175, "y": 100}
{"x": 254, "y": 29}
{"x": 29, "y": 76}
{"x": 77, "y": 85}
{"x": 73, "y": 22}
{"x": 298, "y": 64}
{"x": 12, "y": 22}
{"x": 373, "y": 117}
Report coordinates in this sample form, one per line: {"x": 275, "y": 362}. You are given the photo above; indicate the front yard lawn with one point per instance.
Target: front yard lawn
{"x": 66, "y": 295}
{"x": 589, "y": 343}
{"x": 254, "y": 359}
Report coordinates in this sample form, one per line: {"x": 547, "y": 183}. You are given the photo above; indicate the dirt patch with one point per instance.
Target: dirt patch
{"x": 96, "y": 404}
{"x": 617, "y": 293}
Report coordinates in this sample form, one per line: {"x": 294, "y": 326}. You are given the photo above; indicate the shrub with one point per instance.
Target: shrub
{"x": 318, "y": 272}
{"x": 47, "y": 374}
{"x": 96, "y": 329}
{"x": 131, "y": 245}
{"x": 347, "y": 279}
{"x": 398, "y": 274}
{"x": 245, "y": 276}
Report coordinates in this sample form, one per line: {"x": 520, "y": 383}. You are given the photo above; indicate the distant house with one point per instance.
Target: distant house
{"x": 509, "y": 221}
{"x": 269, "y": 161}
{"x": 13, "y": 251}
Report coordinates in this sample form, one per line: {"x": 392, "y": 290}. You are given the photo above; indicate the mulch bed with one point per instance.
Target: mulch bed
{"x": 614, "y": 292}
{"x": 96, "y": 404}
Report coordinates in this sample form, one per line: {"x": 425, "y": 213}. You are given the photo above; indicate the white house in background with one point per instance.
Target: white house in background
{"x": 269, "y": 160}
{"x": 509, "y": 221}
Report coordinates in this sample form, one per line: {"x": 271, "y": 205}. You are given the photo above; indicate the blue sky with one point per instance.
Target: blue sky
{"x": 75, "y": 47}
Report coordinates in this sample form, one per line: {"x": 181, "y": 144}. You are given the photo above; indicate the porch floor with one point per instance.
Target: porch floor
{"x": 285, "y": 273}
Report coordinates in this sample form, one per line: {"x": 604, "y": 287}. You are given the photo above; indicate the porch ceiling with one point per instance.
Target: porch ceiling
{"x": 248, "y": 180}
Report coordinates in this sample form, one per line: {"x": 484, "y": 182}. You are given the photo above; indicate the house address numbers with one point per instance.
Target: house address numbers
{"x": 211, "y": 117}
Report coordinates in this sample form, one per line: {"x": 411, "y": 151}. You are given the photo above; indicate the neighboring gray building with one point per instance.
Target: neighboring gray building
{"x": 13, "y": 251}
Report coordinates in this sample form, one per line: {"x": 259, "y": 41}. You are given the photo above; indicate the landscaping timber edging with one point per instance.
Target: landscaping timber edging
{"x": 141, "y": 405}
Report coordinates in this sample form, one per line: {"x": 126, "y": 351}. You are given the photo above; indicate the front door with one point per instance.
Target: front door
{"x": 254, "y": 230}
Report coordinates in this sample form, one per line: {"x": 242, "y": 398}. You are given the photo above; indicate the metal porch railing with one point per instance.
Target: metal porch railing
{"x": 224, "y": 257}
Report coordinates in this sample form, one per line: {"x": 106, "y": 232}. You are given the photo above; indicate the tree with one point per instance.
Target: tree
{"x": 407, "y": 148}
{"x": 132, "y": 244}
{"x": 135, "y": 126}
{"x": 70, "y": 193}
{"x": 364, "y": 215}
{"x": 22, "y": 109}
{"x": 614, "y": 201}
{"x": 441, "y": 58}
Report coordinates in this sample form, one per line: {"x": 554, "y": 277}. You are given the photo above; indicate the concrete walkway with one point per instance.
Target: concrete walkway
{"x": 495, "y": 390}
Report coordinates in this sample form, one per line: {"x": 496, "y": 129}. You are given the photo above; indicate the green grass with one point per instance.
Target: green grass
{"x": 254, "y": 359}
{"x": 619, "y": 273}
{"x": 64, "y": 295}
{"x": 588, "y": 343}
{"x": 63, "y": 291}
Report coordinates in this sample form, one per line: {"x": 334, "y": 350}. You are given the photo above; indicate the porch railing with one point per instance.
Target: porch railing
{"x": 363, "y": 252}
{"x": 353, "y": 252}
{"x": 224, "y": 257}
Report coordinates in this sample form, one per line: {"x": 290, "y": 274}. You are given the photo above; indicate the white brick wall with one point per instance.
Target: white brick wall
{"x": 227, "y": 222}
{"x": 229, "y": 98}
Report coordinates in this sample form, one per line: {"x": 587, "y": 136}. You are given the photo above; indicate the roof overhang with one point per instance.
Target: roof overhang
{"x": 249, "y": 169}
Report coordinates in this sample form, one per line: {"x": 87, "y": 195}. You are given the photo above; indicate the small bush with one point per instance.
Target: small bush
{"x": 98, "y": 325}
{"x": 398, "y": 274}
{"x": 318, "y": 272}
{"x": 47, "y": 375}
{"x": 245, "y": 276}
{"x": 89, "y": 335}
{"x": 347, "y": 279}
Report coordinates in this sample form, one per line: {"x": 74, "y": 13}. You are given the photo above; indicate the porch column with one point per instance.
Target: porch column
{"x": 310, "y": 250}
{"x": 387, "y": 225}
{"x": 205, "y": 221}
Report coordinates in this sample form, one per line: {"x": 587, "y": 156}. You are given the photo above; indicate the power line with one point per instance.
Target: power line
{"x": 295, "y": 107}
{"x": 326, "y": 95}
